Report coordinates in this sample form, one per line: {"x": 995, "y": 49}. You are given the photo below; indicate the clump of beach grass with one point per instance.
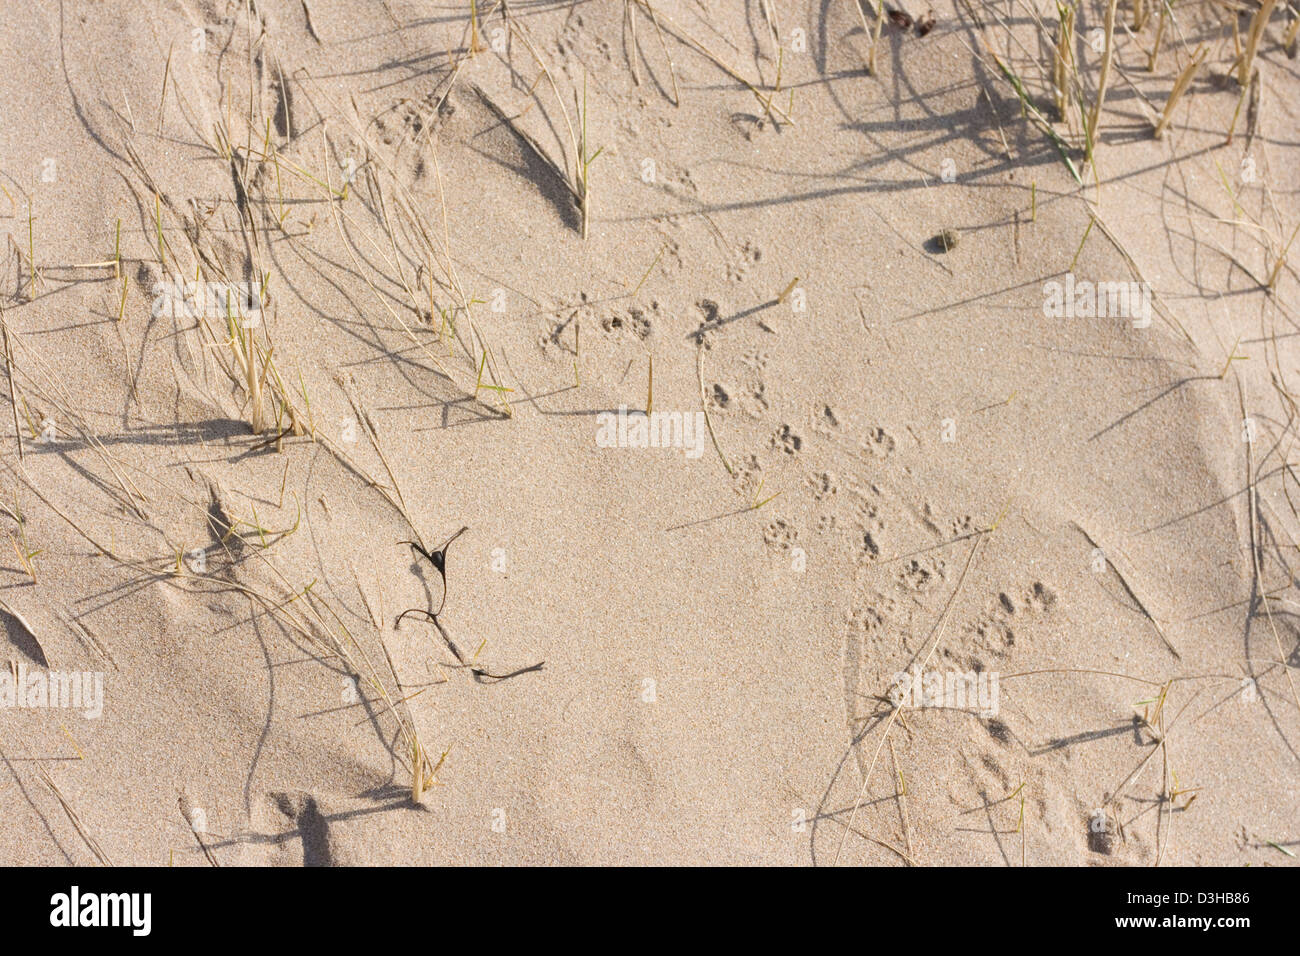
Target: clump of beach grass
{"x": 1033, "y": 113}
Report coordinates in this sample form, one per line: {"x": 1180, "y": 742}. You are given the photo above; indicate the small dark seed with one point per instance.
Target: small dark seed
{"x": 900, "y": 19}
{"x": 946, "y": 241}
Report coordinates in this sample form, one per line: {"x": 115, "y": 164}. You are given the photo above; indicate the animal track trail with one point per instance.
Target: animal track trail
{"x": 607, "y": 334}
{"x": 746, "y": 471}
{"x": 878, "y": 640}
{"x": 842, "y": 510}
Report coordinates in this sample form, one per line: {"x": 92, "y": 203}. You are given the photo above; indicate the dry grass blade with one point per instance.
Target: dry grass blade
{"x": 1272, "y": 276}
{"x": 1184, "y": 80}
{"x": 73, "y": 818}
{"x": 1063, "y": 58}
{"x": 1246, "y": 64}
{"x": 685, "y": 37}
{"x": 1128, "y": 588}
{"x": 1252, "y": 483}
{"x": 1165, "y": 11}
{"x": 9, "y": 370}
{"x": 663, "y": 46}
{"x": 1094, "y": 118}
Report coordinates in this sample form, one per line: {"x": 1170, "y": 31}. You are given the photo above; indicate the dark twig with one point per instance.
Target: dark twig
{"x": 438, "y": 558}
{"x": 479, "y": 672}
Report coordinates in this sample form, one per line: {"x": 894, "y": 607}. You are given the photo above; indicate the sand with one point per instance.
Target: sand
{"x": 891, "y": 433}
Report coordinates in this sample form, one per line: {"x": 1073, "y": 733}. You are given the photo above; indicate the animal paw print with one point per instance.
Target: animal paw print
{"x": 746, "y": 474}
{"x": 915, "y": 576}
{"x": 753, "y": 389}
{"x": 929, "y": 519}
{"x": 787, "y": 441}
{"x": 872, "y": 527}
{"x": 866, "y": 619}
{"x": 879, "y": 443}
{"x": 636, "y": 321}
{"x": 602, "y": 47}
{"x": 827, "y": 422}
{"x": 879, "y": 622}
{"x": 780, "y": 534}
{"x": 748, "y": 256}
{"x": 870, "y": 546}
{"x": 1041, "y": 597}
{"x": 868, "y": 502}
{"x": 672, "y": 253}
{"x": 710, "y": 320}
{"x": 823, "y": 486}
{"x": 562, "y": 336}
{"x": 992, "y": 634}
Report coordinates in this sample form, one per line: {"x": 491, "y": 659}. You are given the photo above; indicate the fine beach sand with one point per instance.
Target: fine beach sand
{"x": 911, "y": 457}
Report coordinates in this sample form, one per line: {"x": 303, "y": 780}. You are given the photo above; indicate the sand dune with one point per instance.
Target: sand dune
{"x": 765, "y": 353}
